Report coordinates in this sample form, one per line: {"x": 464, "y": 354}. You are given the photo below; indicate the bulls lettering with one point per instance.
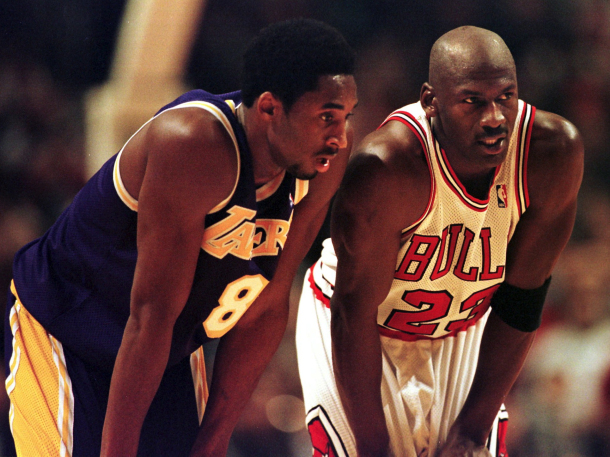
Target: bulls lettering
{"x": 417, "y": 261}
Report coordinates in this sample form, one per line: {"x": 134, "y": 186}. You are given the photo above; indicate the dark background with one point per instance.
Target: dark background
{"x": 53, "y": 52}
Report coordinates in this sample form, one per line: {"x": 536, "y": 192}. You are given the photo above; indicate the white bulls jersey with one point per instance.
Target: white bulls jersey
{"x": 450, "y": 263}
{"x": 454, "y": 257}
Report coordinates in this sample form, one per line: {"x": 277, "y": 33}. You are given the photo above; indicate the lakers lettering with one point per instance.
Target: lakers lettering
{"x": 232, "y": 235}
{"x": 270, "y": 236}
{"x": 241, "y": 235}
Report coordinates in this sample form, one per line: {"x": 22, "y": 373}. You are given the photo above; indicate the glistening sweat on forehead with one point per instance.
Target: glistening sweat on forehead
{"x": 469, "y": 53}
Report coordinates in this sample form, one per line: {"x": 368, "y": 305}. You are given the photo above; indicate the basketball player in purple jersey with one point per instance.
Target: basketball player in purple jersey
{"x": 193, "y": 231}
{"x": 416, "y": 321}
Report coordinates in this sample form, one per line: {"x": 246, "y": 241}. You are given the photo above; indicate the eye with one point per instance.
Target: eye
{"x": 506, "y": 96}
{"x": 471, "y": 100}
{"x": 326, "y": 117}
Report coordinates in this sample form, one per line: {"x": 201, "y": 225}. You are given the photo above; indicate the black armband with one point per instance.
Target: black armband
{"x": 520, "y": 308}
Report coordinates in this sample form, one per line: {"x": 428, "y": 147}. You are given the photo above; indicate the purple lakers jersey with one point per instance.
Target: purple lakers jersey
{"x": 76, "y": 279}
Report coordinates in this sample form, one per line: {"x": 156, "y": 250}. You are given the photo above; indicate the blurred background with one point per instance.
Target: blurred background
{"x": 77, "y": 77}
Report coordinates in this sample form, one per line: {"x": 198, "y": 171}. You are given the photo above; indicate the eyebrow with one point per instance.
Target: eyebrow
{"x": 466, "y": 92}
{"x": 332, "y": 105}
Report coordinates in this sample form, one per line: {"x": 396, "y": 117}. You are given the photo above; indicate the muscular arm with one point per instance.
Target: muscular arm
{"x": 555, "y": 169}
{"x": 385, "y": 190}
{"x": 245, "y": 351}
{"x": 176, "y": 184}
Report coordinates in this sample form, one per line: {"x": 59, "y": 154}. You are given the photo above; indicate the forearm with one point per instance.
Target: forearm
{"x": 138, "y": 370}
{"x": 241, "y": 358}
{"x": 357, "y": 364}
{"x": 502, "y": 355}
{"x": 244, "y": 352}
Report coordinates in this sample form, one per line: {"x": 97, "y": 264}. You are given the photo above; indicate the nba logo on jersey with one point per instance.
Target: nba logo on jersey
{"x": 502, "y": 195}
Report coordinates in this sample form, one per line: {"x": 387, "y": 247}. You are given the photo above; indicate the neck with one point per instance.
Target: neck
{"x": 478, "y": 186}
{"x": 476, "y": 178}
{"x": 265, "y": 169}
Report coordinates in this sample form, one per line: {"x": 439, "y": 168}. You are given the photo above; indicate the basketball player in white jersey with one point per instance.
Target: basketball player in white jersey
{"x": 446, "y": 229}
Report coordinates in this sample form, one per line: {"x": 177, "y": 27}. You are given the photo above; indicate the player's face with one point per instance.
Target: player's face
{"x": 475, "y": 118}
{"x": 311, "y": 133}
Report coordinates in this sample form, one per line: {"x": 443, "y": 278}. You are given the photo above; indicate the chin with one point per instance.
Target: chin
{"x": 299, "y": 173}
{"x": 494, "y": 158}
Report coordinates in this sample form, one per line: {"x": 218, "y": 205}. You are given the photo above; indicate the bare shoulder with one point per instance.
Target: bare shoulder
{"x": 556, "y": 157}
{"x": 388, "y": 173}
{"x": 553, "y": 132}
{"x": 186, "y": 150}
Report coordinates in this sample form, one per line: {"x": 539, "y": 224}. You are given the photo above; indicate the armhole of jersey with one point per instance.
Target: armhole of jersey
{"x": 413, "y": 124}
{"x": 528, "y": 113}
{"x": 131, "y": 202}
{"x": 120, "y": 188}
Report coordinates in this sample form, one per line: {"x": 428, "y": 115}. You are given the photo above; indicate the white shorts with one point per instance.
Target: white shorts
{"x": 424, "y": 383}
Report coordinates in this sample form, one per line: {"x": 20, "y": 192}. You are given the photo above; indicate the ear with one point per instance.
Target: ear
{"x": 268, "y": 105}
{"x": 427, "y": 98}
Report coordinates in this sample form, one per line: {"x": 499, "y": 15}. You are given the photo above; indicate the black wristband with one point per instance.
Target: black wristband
{"x": 520, "y": 308}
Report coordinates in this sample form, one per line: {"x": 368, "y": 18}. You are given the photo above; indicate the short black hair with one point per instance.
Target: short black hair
{"x": 287, "y": 58}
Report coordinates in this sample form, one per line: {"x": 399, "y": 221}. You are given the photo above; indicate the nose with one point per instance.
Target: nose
{"x": 338, "y": 138}
{"x": 493, "y": 116}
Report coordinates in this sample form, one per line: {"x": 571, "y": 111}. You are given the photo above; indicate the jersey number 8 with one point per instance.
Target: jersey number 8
{"x": 234, "y": 302}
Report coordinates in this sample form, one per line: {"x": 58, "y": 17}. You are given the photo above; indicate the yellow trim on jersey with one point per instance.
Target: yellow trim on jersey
{"x": 268, "y": 189}
{"x": 132, "y": 203}
{"x": 199, "y": 381}
{"x": 301, "y": 187}
{"x": 231, "y": 104}
{"x": 42, "y": 402}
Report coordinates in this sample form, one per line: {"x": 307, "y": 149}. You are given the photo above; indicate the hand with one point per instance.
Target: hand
{"x": 461, "y": 446}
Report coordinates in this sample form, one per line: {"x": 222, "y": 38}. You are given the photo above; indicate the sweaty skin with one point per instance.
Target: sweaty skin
{"x": 471, "y": 101}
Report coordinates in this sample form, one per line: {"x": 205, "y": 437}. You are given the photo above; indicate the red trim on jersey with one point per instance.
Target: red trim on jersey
{"x": 518, "y": 161}
{"x": 418, "y": 132}
{"x": 320, "y": 441}
{"x": 316, "y": 290}
{"x": 501, "y": 450}
{"x": 411, "y": 230}
{"x": 526, "y": 150}
{"x": 460, "y": 191}
{"x": 523, "y": 153}
{"x": 395, "y": 116}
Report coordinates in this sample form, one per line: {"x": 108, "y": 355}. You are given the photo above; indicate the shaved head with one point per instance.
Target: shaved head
{"x": 468, "y": 53}
{"x": 472, "y": 99}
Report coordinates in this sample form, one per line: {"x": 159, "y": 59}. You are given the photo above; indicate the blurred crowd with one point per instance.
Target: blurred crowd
{"x": 561, "y": 403}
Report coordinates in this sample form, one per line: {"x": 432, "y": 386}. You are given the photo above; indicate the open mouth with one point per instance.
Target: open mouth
{"x": 493, "y": 145}
{"x": 322, "y": 164}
